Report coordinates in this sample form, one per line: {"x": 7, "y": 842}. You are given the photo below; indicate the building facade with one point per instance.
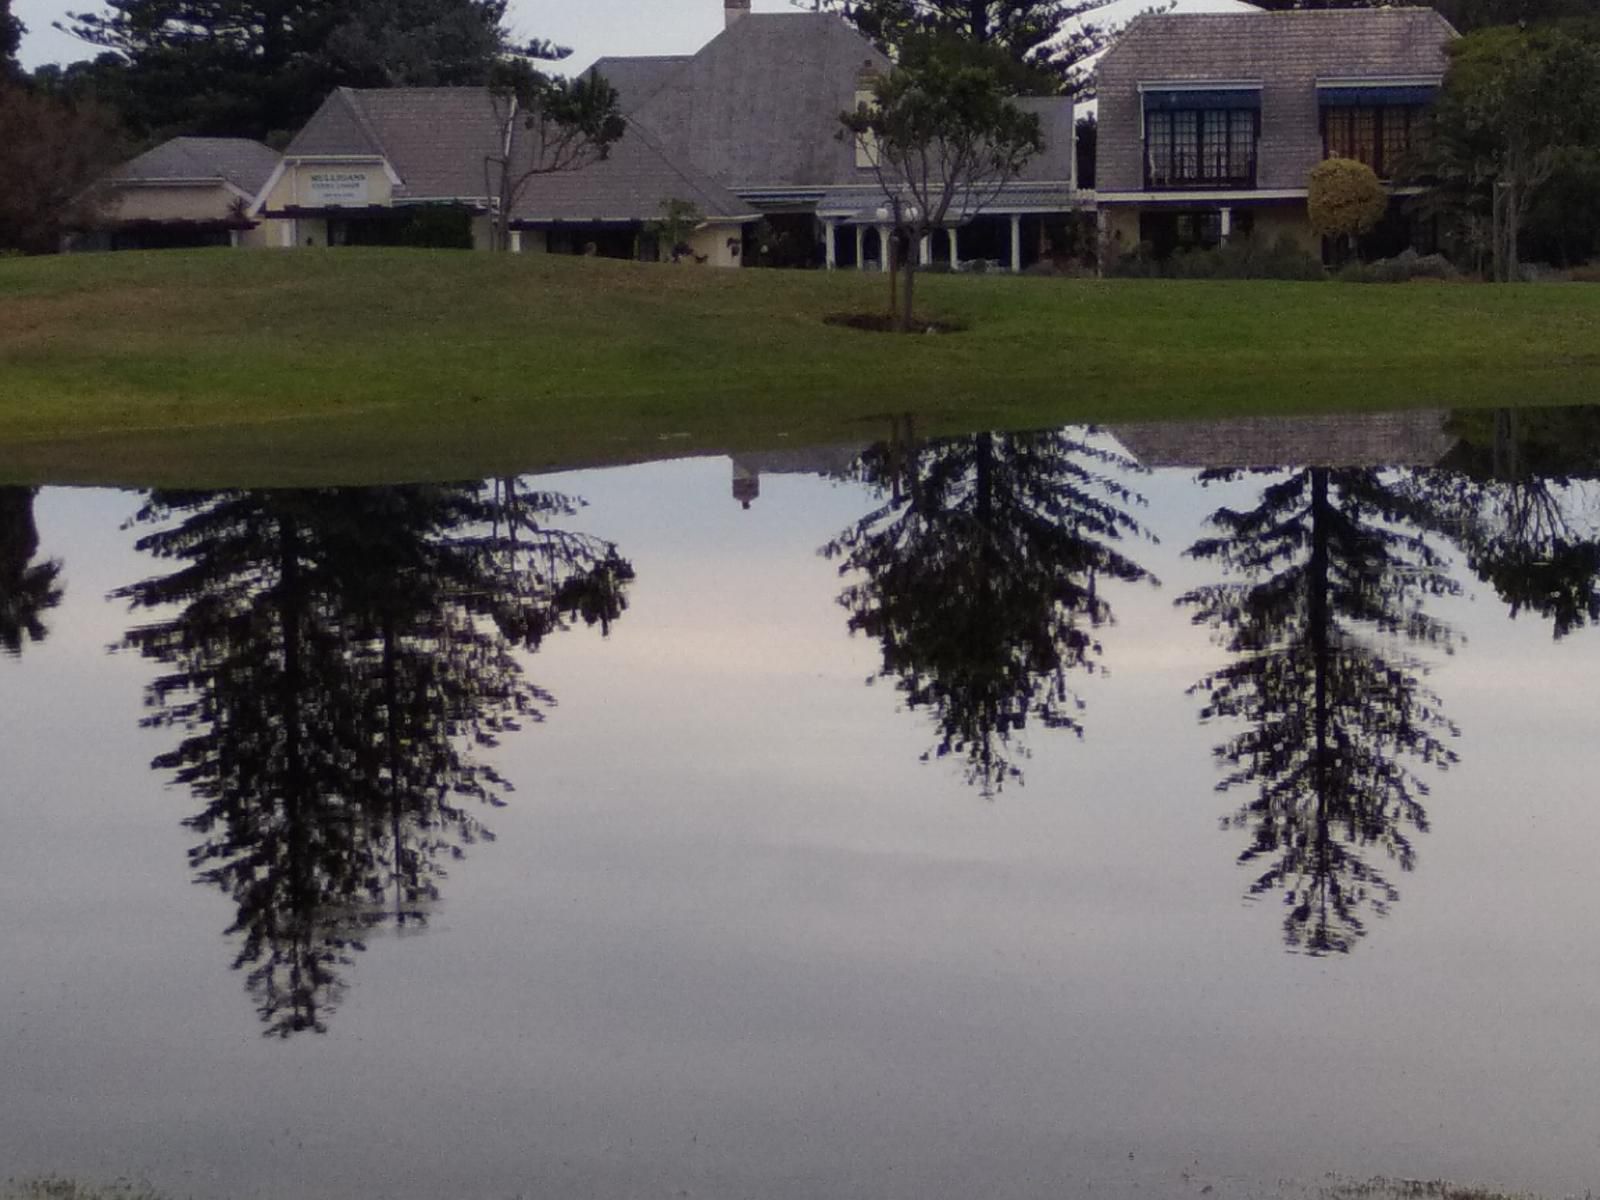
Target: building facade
{"x": 187, "y": 192}
{"x": 1210, "y": 124}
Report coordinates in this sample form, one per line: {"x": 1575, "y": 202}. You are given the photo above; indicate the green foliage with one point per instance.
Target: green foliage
{"x": 1520, "y": 108}
{"x": 551, "y": 124}
{"x": 52, "y": 152}
{"x": 11, "y": 31}
{"x": 1041, "y": 39}
{"x": 1241, "y": 258}
{"x": 1345, "y": 198}
{"x": 28, "y": 588}
{"x": 678, "y": 221}
{"x": 252, "y": 68}
{"x": 945, "y": 136}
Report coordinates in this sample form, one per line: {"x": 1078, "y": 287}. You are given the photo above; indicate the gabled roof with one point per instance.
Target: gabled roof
{"x": 759, "y": 105}
{"x": 638, "y": 79}
{"x": 631, "y": 183}
{"x": 1290, "y": 45}
{"x": 435, "y": 139}
{"x": 237, "y": 161}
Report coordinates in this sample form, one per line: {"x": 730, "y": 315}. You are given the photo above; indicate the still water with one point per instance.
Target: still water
{"x": 1155, "y": 811}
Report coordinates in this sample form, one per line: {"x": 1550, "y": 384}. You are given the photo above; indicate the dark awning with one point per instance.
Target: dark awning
{"x": 1372, "y": 95}
{"x": 1168, "y": 99}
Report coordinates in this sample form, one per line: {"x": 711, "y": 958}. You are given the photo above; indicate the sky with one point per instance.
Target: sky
{"x": 591, "y": 27}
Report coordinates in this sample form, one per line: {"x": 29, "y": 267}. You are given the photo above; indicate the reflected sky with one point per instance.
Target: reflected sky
{"x": 736, "y": 937}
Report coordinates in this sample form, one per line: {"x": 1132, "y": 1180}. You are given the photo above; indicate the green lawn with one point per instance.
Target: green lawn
{"x": 215, "y": 367}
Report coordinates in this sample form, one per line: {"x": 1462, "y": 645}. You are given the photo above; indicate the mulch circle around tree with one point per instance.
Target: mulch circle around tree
{"x": 884, "y": 323}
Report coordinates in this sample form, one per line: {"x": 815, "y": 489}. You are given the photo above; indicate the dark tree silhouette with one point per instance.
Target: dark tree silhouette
{"x": 1518, "y": 495}
{"x": 28, "y": 589}
{"x": 337, "y": 662}
{"x": 979, "y": 573}
{"x": 1331, "y": 578}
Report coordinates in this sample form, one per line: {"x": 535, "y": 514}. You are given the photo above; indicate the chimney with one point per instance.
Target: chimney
{"x": 734, "y": 11}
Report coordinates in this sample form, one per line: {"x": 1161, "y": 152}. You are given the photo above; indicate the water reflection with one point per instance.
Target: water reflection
{"x": 979, "y": 574}
{"x": 1329, "y": 572}
{"x": 1518, "y": 494}
{"x": 337, "y": 663}
{"x": 28, "y": 589}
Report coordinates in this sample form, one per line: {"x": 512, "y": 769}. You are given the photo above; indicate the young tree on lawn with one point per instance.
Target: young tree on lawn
{"x": 547, "y": 124}
{"x": 944, "y": 138}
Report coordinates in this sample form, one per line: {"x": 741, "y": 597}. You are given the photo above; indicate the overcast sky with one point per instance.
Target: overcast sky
{"x": 590, "y": 27}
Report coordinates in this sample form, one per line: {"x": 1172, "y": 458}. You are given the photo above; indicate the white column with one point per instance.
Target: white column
{"x": 1016, "y": 243}
{"x": 516, "y": 241}
{"x": 291, "y": 233}
{"x": 861, "y": 247}
{"x": 1227, "y": 223}
{"x": 233, "y": 238}
{"x": 831, "y": 241}
{"x": 1102, "y": 238}
{"x": 955, "y": 253}
{"x": 883, "y": 248}
{"x": 926, "y": 250}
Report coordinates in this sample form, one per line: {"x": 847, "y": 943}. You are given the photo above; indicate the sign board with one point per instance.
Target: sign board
{"x": 337, "y": 189}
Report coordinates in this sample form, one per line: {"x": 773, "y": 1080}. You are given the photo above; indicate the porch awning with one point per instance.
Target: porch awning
{"x": 1372, "y": 95}
{"x": 1169, "y": 99}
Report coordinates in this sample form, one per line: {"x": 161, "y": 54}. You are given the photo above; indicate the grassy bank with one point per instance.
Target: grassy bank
{"x": 210, "y": 367}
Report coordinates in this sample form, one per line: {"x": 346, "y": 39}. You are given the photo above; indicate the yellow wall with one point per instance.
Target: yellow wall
{"x": 1291, "y": 220}
{"x": 325, "y": 185}
{"x": 266, "y": 235}
{"x": 711, "y": 243}
{"x": 204, "y": 202}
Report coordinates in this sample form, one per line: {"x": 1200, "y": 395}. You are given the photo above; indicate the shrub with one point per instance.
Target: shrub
{"x": 1588, "y": 273}
{"x": 1242, "y": 258}
{"x": 1344, "y": 198}
{"x": 1402, "y": 268}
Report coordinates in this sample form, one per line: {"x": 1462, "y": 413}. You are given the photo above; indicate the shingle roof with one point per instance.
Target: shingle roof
{"x": 436, "y": 139}
{"x": 637, "y": 79}
{"x": 238, "y": 161}
{"x": 1286, "y": 52}
{"x": 1056, "y": 118}
{"x": 631, "y": 183}
{"x": 759, "y": 105}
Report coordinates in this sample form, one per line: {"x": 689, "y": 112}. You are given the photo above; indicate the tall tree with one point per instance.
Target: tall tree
{"x": 1044, "y": 38}
{"x": 1516, "y": 104}
{"x": 28, "y": 588}
{"x": 260, "y": 68}
{"x": 1330, "y": 577}
{"x": 11, "y": 31}
{"x": 338, "y": 661}
{"x": 53, "y": 151}
{"x": 980, "y": 575}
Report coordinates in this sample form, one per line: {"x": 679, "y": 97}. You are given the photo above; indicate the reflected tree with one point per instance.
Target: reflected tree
{"x": 336, "y": 663}
{"x": 1330, "y": 573}
{"x": 1519, "y": 495}
{"x": 979, "y": 573}
{"x": 28, "y": 589}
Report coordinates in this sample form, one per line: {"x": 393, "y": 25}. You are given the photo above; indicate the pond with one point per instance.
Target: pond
{"x": 1143, "y": 811}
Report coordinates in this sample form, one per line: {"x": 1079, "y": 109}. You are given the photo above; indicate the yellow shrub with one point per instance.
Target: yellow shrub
{"x": 1345, "y": 198}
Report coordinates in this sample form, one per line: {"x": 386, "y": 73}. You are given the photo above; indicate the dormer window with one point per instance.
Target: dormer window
{"x": 1201, "y": 136}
